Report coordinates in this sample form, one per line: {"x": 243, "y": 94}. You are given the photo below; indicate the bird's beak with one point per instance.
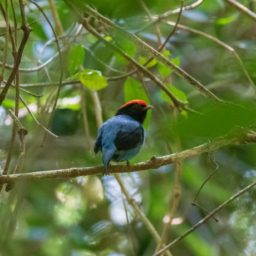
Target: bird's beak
{"x": 149, "y": 107}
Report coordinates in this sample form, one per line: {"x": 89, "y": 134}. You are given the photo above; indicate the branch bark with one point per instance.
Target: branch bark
{"x": 154, "y": 162}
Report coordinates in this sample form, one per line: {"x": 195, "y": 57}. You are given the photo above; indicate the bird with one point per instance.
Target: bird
{"x": 121, "y": 137}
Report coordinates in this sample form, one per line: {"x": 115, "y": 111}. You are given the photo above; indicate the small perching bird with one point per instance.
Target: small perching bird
{"x": 121, "y": 137}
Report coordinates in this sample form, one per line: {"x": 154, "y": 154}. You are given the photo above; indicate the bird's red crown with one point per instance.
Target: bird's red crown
{"x": 140, "y": 102}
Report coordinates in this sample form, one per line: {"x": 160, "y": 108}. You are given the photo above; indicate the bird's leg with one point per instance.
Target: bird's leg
{"x": 106, "y": 163}
{"x": 106, "y": 172}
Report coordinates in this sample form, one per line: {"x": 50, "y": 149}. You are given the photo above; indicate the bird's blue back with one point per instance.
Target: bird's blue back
{"x": 119, "y": 138}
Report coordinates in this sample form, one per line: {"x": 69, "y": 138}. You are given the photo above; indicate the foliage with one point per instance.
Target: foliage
{"x": 80, "y": 63}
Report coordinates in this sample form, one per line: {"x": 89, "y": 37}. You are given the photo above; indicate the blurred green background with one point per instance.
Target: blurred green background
{"x": 87, "y": 216}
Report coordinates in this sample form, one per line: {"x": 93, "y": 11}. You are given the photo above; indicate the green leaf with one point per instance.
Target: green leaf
{"x": 75, "y": 58}
{"x": 133, "y": 89}
{"x": 227, "y": 20}
{"x": 164, "y": 70}
{"x": 127, "y": 45}
{"x": 108, "y": 38}
{"x": 8, "y": 103}
{"x": 216, "y": 119}
{"x": 176, "y": 61}
{"x": 166, "y": 53}
{"x": 144, "y": 59}
{"x": 180, "y": 95}
{"x": 92, "y": 79}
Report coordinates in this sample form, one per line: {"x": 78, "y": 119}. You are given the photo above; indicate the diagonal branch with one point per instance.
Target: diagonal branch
{"x": 177, "y": 103}
{"x": 142, "y": 215}
{"x": 242, "y": 9}
{"x": 207, "y": 217}
{"x": 153, "y": 52}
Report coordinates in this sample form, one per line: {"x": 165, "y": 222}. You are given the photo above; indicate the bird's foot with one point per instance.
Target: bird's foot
{"x": 106, "y": 172}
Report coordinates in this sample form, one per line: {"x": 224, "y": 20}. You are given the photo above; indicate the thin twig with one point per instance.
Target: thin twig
{"x": 10, "y": 35}
{"x": 142, "y": 215}
{"x": 206, "y": 218}
{"x": 34, "y": 69}
{"x": 166, "y": 15}
{"x": 185, "y": 8}
{"x": 149, "y": 14}
{"x": 143, "y": 45}
{"x": 242, "y": 9}
{"x": 36, "y": 120}
{"x": 5, "y": 50}
{"x": 161, "y": 47}
{"x": 205, "y": 211}
{"x": 219, "y": 42}
{"x": 177, "y": 103}
{"x": 61, "y": 65}
{"x": 203, "y": 184}
{"x": 17, "y": 54}
{"x": 132, "y": 242}
{"x": 176, "y": 194}
{"x": 97, "y": 107}
{"x": 15, "y": 27}
{"x": 58, "y": 25}
{"x": 17, "y": 60}
{"x": 84, "y": 108}
{"x": 175, "y": 200}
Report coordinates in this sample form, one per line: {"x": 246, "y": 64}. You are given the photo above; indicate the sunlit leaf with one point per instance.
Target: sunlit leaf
{"x": 176, "y": 61}
{"x": 133, "y": 89}
{"x": 8, "y": 103}
{"x": 164, "y": 70}
{"x": 75, "y": 58}
{"x": 180, "y": 95}
{"x": 227, "y": 20}
{"x": 128, "y": 46}
{"x": 143, "y": 60}
{"x": 166, "y": 53}
{"x": 108, "y": 38}
{"x": 92, "y": 79}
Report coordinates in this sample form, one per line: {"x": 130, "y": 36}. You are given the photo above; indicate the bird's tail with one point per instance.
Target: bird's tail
{"x": 107, "y": 156}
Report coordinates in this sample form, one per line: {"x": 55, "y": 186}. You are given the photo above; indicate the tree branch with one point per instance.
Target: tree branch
{"x": 152, "y": 52}
{"x": 154, "y": 162}
{"x": 242, "y": 9}
{"x": 176, "y": 102}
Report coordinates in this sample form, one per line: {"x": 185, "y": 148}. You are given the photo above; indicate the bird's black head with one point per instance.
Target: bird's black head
{"x": 137, "y": 109}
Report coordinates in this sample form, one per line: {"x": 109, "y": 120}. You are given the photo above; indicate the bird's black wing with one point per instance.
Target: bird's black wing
{"x": 128, "y": 139}
{"x": 98, "y": 143}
